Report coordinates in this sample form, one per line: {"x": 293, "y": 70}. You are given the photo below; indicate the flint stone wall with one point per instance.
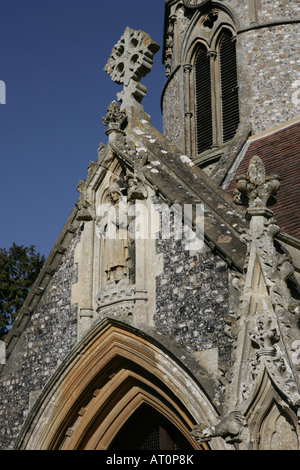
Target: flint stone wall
{"x": 270, "y": 56}
{"x": 47, "y": 340}
{"x": 193, "y": 299}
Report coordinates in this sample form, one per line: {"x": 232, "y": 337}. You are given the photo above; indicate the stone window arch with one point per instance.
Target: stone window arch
{"x": 211, "y": 83}
{"x": 272, "y": 423}
{"x": 203, "y": 99}
{"x": 278, "y": 431}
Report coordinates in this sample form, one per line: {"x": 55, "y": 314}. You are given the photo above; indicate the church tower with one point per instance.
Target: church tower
{"x": 167, "y": 315}
{"x": 231, "y": 71}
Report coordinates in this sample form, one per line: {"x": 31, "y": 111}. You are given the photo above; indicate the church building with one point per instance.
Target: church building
{"x": 167, "y": 315}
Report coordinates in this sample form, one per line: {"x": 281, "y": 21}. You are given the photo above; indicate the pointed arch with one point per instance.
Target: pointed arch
{"x": 110, "y": 375}
{"x": 268, "y": 414}
{"x": 212, "y": 107}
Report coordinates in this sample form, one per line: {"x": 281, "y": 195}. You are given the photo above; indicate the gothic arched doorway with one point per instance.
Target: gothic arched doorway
{"x": 147, "y": 429}
{"x": 119, "y": 388}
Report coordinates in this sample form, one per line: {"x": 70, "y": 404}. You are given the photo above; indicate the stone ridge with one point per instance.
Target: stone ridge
{"x": 178, "y": 180}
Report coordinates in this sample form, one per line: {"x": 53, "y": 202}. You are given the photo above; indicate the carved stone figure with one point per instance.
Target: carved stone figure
{"x": 232, "y": 428}
{"x": 136, "y": 189}
{"x": 264, "y": 336}
{"x": 85, "y": 208}
{"x": 115, "y": 238}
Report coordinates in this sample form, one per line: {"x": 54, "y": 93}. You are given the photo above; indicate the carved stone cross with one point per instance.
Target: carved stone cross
{"x": 131, "y": 59}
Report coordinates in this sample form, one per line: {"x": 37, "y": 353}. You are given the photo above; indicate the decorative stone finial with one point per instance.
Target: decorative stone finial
{"x": 256, "y": 190}
{"x": 114, "y": 118}
{"x": 131, "y": 59}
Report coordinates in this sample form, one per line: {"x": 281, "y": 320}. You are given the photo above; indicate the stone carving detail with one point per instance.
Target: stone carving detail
{"x": 270, "y": 327}
{"x": 210, "y": 19}
{"x": 114, "y": 224}
{"x": 169, "y": 45}
{"x": 131, "y": 59}
{"x": 85, "y": 207}
{"x": 113, "y": 230}
{"x": 262, "y": 320}
{"x": 256, "y": 190}
{"x": 279, "y": 433}
{"x": 136, "y": 181}
{"x": 271, "y": 333}
{"x": 114, "y": 118}
{"x": 136, "y": 189}
{"x": 101, "y": 150}
{"x": 264, "y": 336}
{"x": 85, "y": 212}
{"x": 232, "y": 428}
{"x": 117, "y": 297}
{"x": 117, "y": 302}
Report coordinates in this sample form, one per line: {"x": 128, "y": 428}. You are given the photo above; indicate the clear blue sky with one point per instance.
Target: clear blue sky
{"x": 52, "y": 59}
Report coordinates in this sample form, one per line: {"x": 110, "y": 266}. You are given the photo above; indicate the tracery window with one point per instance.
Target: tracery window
{"x": 216, "y": 92}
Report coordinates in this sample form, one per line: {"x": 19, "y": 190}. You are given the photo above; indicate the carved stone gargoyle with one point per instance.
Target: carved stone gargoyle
{"x": 232, "y": 428}
{"x": 85, "y": 208}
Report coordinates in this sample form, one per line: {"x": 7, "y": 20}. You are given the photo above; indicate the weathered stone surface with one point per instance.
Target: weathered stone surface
{"x": 208, "y": 334}
{"x": 269, "y": 57}
{"x": 131, "y": 59}
{"x": 268, "y": 76}
{"x": 47, "y": 340}
{"x": 193, "y": 299}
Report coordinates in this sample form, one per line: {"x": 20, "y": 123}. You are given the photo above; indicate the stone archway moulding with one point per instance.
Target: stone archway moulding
{"x": 115, "y": 369}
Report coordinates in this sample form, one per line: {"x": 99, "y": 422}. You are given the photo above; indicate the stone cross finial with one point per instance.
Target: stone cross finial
{"x": 131, "y": 59}
{"x": 256, "y": 190}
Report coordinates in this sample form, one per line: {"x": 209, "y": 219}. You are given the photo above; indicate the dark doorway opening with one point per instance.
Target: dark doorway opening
{"x": 147, "y": 429}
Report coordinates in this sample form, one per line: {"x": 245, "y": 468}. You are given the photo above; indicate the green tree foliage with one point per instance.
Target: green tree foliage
{"x": 19, "y": 268}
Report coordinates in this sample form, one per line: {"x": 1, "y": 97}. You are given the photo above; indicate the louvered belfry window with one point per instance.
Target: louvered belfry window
{"x": 229, "y": 87}
{"x": 204, "y": 130}
{"x": 216, "y": 93}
